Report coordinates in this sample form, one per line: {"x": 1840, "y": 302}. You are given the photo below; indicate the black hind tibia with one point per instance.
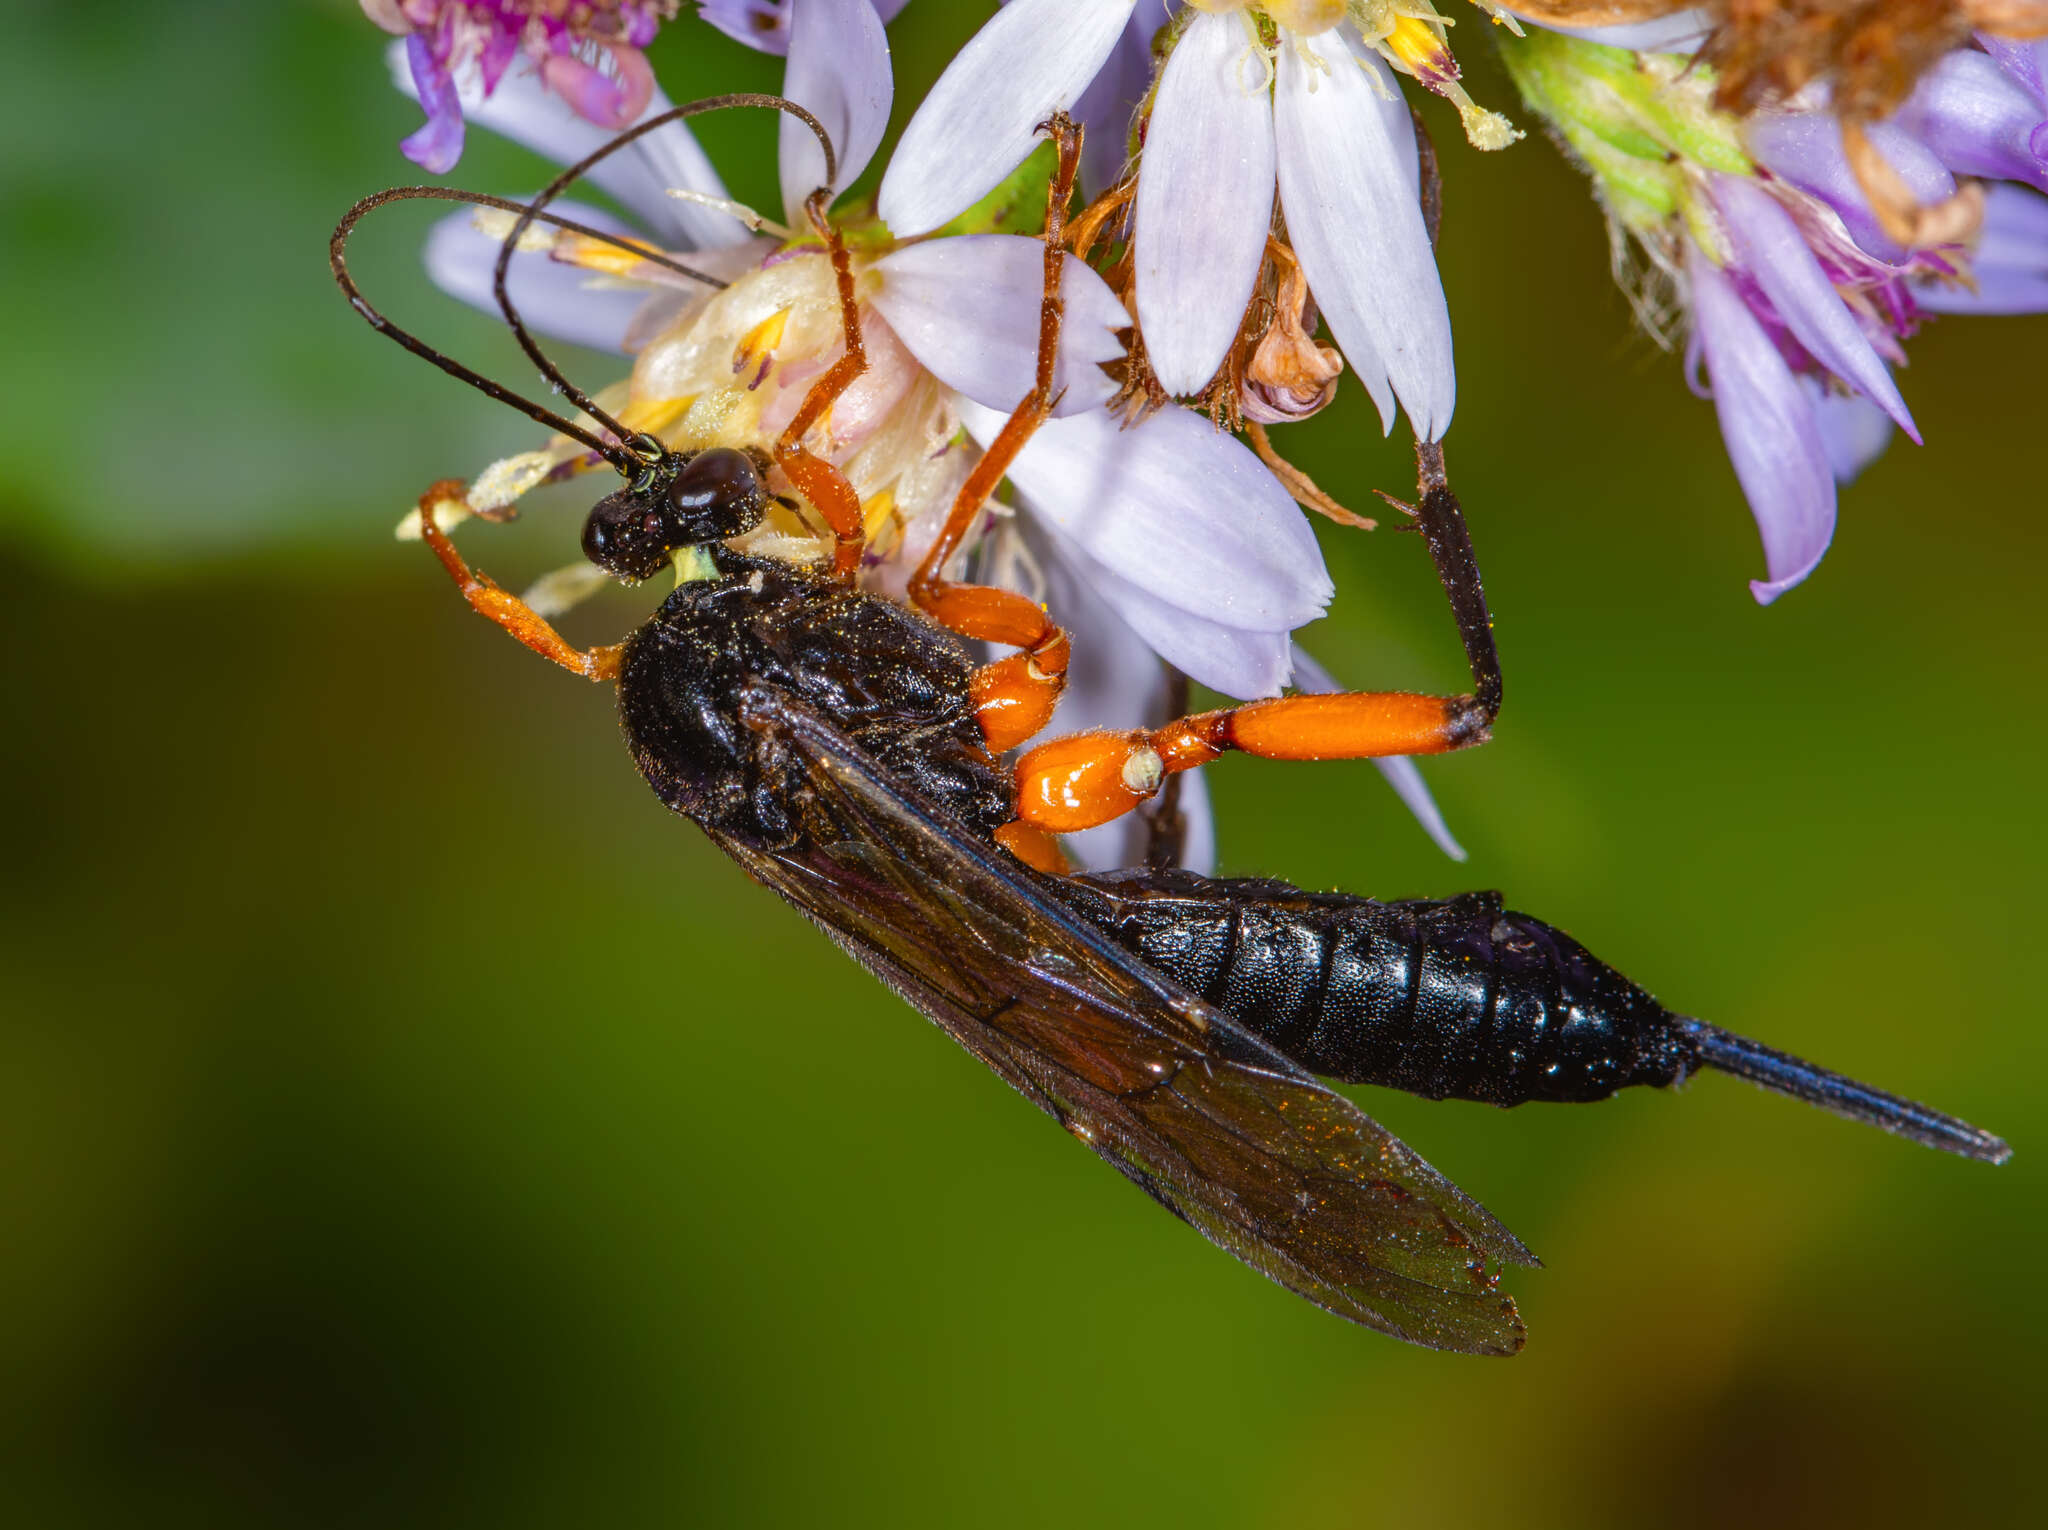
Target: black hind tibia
{"x": 1460, "y": 998}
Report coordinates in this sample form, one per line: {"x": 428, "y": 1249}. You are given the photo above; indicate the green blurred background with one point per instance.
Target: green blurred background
{"x": 404, "y": 1121}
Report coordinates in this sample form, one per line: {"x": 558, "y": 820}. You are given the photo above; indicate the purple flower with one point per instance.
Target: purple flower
{"x": 1980, "y": 116}
{"x": 1772, "y": 431}
{"x": 1800, "y": 297}
{"x": 2009, "y": 268}
{"x": 1795, "y": 324}
{"x": 588, "y": 54}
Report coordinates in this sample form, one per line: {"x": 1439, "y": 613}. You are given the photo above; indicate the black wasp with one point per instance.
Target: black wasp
{"x": 843, "y": 748}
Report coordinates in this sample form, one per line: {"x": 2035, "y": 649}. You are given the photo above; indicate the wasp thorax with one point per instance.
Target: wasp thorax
{"x": 685, "y": 500}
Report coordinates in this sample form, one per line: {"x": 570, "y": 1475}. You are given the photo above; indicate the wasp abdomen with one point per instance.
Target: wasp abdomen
{"x": 1460, "y": 998}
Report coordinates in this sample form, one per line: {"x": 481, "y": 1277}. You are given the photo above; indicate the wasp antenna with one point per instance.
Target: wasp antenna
{"x": 569, "y": 177}
{"x": 337, "y": 257}
{"x": 1729, "y": 1053}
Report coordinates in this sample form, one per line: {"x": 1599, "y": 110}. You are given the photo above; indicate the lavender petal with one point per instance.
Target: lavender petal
{"x": 1853, "y": 431}
{"x": 1980, "y": 120}
{"x": 2026, "y": 62}
{"x": 1768, "y": 425}
{"x": 2010, "y": 264}
{"x": 1778, "y": 259}
{"x": 436, "y": 147}
{"x": 1679, "y": 32}
{"x": 1805, "y": 149}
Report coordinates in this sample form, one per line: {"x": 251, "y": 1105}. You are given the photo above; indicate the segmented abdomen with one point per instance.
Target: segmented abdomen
{"x": 1460, "y": 998}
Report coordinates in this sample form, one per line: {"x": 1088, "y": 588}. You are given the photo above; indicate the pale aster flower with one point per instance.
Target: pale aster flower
{"x": 1797, "y": 299}
{"x": 1286, "y": 97}
{"x": 1186, "y": 547}
{"x": 587, "y": 53}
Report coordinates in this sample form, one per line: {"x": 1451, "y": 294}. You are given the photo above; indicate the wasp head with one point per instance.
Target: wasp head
{"x": 686, "y": 499}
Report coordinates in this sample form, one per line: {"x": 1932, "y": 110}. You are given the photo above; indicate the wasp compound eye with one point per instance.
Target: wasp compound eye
{"x": 629, "y": 536}
{"x": 716, "y": 494}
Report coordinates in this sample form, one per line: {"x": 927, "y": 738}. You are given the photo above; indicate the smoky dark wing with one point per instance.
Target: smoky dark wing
{"x": 1256, "y": 1154}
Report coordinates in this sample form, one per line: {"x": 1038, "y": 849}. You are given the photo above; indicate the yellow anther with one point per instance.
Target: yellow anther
{"x": 761, "y": 340}
{"x": 654, "y": 416}
{"x": 876, "y": 512}
{"x": 1420, "y": 49}
{"x": 596, "y": 255}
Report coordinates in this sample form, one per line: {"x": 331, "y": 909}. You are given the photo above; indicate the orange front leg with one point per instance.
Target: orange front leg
{"x": 504, "y": 608}
{"x": 816, "y": 479}
{"x": 1014, "y": 697}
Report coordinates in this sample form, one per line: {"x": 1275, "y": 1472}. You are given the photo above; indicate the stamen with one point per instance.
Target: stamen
{"x": 564, "y": 589}
{"x": 495, "y": 223}
{"x": 755, "y": 222}
{"x": 1415, "y": 45}
{"x": 758, "y": 343}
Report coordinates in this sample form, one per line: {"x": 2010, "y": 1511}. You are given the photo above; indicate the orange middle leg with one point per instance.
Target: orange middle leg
{"x": 816, "y": 479}
{"x": 1091, "y": 778}
{"x": 1013, "y": 697}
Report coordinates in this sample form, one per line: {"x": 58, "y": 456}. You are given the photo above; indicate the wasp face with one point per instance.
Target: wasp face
{"x": 685, "y": 500}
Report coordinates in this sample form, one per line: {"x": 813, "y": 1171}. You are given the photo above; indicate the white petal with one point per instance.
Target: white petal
{"x": 1224, "y": 658}
{"x": 1205, "y": 201}
{"x": 1176, "y": 508}
{"x": 968, "y": 309}
{"x": 981, "y": 118}
{"x": 524, "y": 111}
{"x": 839, "y": 70}
{"x": 1399, "y": 771}
{"x": 1107, "y": 106}
{"x": 1347, "y": 182}
{"x": 554, "y": 299}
